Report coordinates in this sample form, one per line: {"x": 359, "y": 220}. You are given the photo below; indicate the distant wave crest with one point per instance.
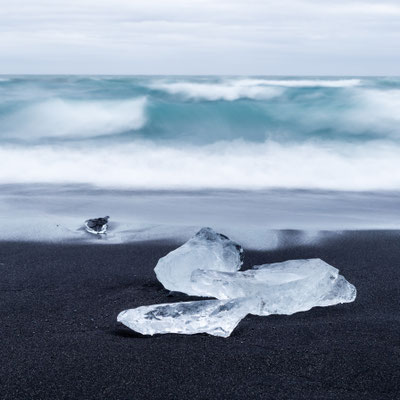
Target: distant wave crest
{"x": 328, "y": 83}
{"x": 255, "y": 89}
{"x": 228, "y": 91}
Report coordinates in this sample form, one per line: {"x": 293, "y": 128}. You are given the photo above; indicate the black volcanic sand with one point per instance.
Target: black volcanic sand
{"x": 60, "y": 339}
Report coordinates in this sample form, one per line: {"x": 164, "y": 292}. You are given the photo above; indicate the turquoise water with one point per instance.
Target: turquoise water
{"x": 201, "y": 132}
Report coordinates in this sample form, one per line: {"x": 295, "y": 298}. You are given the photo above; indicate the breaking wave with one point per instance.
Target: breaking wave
{"x": 308, "y": 83}
{"x": 229, "y": 91}
{"x": 229, "y": 165}
{"x": 257, "y": 89}
{"x": 58, "y": 117}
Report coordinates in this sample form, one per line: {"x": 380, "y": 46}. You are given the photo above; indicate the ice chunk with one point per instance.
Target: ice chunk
{"x": 207, "y": 265}
{"x": 215, "y": 317}
{"x": 283, "y": 288}
{"x": 206, "y": 250}
{"x": 97, "y": 226}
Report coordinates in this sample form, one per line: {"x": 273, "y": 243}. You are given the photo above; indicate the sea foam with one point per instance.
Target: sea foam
{"x": 306, "y": 83}
{"x": 256, "y": 89}
{"x": 224, "y": 165}
{"x": 228, "y": 91}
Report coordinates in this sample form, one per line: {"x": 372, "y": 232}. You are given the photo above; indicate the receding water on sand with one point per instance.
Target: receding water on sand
{"x": 258, "y": 219}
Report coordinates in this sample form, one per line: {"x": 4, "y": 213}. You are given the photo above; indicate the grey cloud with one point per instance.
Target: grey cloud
{"x": 200, "y": 37}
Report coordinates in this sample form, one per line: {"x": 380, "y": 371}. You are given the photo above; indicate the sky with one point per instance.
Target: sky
{"x": 196, "y": 37}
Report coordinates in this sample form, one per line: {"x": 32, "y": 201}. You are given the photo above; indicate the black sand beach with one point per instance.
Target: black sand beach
{"x": 60, "y": 338}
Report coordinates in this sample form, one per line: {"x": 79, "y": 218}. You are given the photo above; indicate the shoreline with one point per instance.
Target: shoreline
{"x": 60, "y": 337}
{"x": 255, "y": 219}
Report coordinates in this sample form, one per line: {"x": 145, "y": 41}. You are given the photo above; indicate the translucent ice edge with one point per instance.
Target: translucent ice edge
{"x": 215, "y": 317}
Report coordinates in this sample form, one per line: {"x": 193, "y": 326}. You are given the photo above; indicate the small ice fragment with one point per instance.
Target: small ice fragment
{"x": 206, "y": 250}
{"x": 215, "y": 317}
{"x": 97, "y": 226}
{"x": 283, "y": 288}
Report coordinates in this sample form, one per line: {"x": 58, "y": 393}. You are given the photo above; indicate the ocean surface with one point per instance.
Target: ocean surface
{"x": 161, "y": 154}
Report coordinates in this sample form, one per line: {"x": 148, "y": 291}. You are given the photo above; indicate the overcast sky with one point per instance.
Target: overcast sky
{"x": 270, "y": 37}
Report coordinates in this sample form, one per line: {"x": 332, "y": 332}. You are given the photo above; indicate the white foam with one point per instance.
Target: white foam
{"x": 302, "y": 83}
{"x": 69, "y": 118}
{"x": 234, "y": 89}
{"x": 229, "y": 90}
{"x": 239, "y": 165}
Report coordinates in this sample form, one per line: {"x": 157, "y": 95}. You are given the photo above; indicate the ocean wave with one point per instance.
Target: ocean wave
{"x": 360, "y": 113}
{"x": 228, "y": 91}
{"x": 58, "y": 117}
{"x": 305, "y": 83}
{"x": 230, "y": 165}
{"x": 375, "y": 109}
{"x": 255, "y": 89}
